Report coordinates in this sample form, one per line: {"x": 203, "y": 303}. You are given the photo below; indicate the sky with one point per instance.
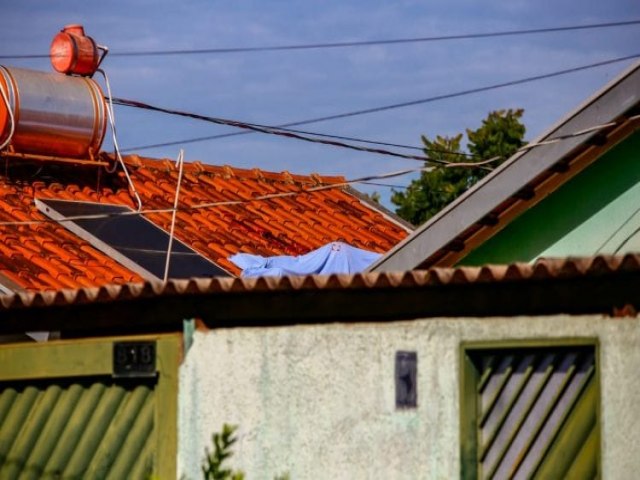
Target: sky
{"x": 274, "y": 88}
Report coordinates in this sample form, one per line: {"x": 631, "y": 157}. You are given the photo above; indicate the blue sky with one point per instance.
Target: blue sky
{"x": 280, "y": 87}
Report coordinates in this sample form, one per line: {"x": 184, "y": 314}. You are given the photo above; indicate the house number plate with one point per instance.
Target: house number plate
{"x": 134, "y": 359}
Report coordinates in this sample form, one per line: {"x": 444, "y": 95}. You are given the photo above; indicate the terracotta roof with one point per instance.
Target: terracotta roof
{"x": 48, "y": 257}
{"x": 544, "y": 270}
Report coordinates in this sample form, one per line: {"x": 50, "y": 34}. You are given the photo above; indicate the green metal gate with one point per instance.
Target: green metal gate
{"x": 530, "y": 413}
{"x": 63, "y": 415}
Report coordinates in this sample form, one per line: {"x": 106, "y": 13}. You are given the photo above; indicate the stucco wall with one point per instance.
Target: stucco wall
{"x": 318, "y": 401}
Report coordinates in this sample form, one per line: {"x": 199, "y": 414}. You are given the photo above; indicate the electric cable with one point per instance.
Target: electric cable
{"x": 617, "y": 230}
{"x": 470, "y": 91}
{"x": 200, "y": 206}
{"x": 348, "y": 44}
{"x": 435, "y": 98}
{"x": 12, "y": 119}
{"x": 289, "y": 134}
{"x": 112, "y": 121}
{"x": 180, "y": 165}
{"x": 559, "y": 138}
{"x": 387, "y": 185}
{"x": 282, "y": 127}
{"x": 626, "y": 240}
{"x": 369, "y": 179}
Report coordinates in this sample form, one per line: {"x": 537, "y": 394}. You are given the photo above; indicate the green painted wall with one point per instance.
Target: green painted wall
{"x": 598, "y": 211}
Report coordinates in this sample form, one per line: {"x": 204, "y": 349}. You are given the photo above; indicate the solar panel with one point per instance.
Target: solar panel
{"x": 131, "y": 240}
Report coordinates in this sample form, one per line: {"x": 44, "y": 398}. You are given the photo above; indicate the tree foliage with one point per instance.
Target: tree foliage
{"x": 500, "y": 135}
{"x": 212, "y": 468}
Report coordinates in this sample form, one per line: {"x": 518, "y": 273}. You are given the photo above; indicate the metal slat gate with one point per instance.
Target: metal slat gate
{"x": 80, "y": 429}
{"x": 534, "y": 413}
{"x": 65, "y": 415}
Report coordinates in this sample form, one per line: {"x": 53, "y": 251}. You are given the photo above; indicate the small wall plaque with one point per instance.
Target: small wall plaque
{"x": 134, "y": 359}
{"x": 406, "y": 379}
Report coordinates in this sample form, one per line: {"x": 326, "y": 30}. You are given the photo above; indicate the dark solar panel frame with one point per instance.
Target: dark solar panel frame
{"x": 131, "y": 240}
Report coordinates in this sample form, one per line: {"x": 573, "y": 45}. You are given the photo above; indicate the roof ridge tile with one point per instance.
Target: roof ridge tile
{"x": 464, "y": 275}
{"x": 258, "y": 174}
{"x": 228, "y": 171}
{"x": 517, "y": 271}
{"x": 490, "y": 273}
{"x": 631, "y": 261}
{"x": 544, "y": 270}
{"x": 198, "y": 166}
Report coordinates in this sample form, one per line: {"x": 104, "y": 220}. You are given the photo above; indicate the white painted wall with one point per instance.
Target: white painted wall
{"x": 318, "y": 401}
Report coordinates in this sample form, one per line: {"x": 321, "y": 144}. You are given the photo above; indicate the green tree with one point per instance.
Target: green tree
{"x": 500, "y": 135}
{"x": 212, "y": 468}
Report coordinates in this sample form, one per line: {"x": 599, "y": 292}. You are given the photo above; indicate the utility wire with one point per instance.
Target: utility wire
{"x": 114, "y": 138}
{"x": 282, "y": 127}
{"x": 224, "y": 203}
{"x": 289, "y": 134}
{"x": 369, "y": 179}
{"x": 367, "y": 111}
{"x": 386, "y": 185}
{"x": 350, "y": 44}
{"x": 468, "y": 91}
{"x": 303, "y": 132}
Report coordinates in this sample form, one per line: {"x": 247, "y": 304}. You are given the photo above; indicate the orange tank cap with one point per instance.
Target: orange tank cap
{"x": 72, "y": 52}
{"x": 75, "y": 29}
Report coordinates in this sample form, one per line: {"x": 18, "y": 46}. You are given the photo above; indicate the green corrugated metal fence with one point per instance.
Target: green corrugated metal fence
{"x": 64, "y": 416}
{"x": 85, "y": 429}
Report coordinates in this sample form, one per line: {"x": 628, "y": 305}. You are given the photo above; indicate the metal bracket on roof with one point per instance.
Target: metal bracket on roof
{"x": 8, "y": 286}
{"x": 48, "y": 158}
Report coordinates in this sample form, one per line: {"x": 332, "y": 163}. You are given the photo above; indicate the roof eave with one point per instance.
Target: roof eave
{"x": 611, "y": 103}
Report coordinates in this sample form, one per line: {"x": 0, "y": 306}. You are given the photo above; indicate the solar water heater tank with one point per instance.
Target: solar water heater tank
{"x": 52, "y": 114}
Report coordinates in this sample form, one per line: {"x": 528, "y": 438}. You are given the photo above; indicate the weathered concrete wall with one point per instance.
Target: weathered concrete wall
{"x": 319, "y": 401}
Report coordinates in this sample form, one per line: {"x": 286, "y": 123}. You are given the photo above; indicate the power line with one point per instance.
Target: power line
{"x": 386, "y": 185}
{"x": 350, "y": 44}
{"x": 369, "y": 179}
{"x": 280, "y": 127}
{"x": 223, "y": 203}
{"x": 396, "y": 105}
{"x": 469, "y": 91}
{"x": 302, "y": 132}
{"x": 290, "y": 134}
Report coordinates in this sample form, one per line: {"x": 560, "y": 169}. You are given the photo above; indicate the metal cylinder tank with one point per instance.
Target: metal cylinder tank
{"x": 55, "y": 115}
{"x": 73, "y": 52}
